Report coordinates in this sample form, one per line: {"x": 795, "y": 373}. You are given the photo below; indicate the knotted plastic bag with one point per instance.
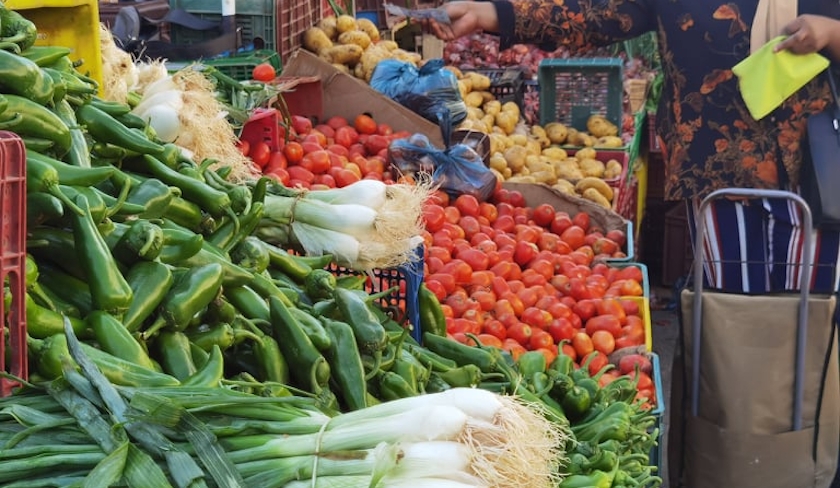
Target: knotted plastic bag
{"x": 396, "y": 79}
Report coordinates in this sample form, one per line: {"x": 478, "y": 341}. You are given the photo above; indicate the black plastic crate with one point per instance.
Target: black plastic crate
{"x": 506, "y": 84}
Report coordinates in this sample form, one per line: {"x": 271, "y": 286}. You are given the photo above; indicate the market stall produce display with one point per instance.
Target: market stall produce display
{"x": 205, "y": 311}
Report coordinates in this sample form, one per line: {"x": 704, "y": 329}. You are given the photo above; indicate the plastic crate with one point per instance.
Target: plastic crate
{"x": 506, "y": 84}
{"x": 294, "y": 18}
{"x": 262, "y": 126}
{"x": 644, "y": 313}
{"x": 241, "y": 66}
{"x": 70, "y": 23}
{"x": 257, "y": 20}
{"x": 408, "y": 277}
{"x": 658, "y": 412}
{"x": 13, "y": 258}
{"x": 571, "y": 90}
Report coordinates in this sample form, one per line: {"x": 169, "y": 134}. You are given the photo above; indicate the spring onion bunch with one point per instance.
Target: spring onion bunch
{"x": 365, "y": 225}
{"x": 83, "y": 431}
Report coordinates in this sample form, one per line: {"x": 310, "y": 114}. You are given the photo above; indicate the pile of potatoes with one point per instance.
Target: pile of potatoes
{"x": 353, "y": 45}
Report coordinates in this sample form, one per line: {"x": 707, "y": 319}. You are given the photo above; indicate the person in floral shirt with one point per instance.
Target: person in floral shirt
{"x": 709, "y": 139}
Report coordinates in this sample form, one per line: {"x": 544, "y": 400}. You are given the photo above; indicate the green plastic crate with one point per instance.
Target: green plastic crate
{"x": 241, "y": 66}
{"x": 256, "y": 18}
{"x": 573, "y": 89}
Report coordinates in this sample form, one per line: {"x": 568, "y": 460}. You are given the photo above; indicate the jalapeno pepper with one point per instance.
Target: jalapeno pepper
{"x": 211, "y": 372}
{"x": 79, "y": 153}
{"x": 42, "y": 322}
{"x": 179, "y": 245}
{"x": 313, "y": 328}
{"x": 154, "y": 195}
{"x": 173, "y": 350}
{"x": 73, "y": 291}
{"x": 394, "y": 387}
{"x": 233, "y": 275}
{"x": 307, "y": 366}
{"x": 45, "y": 55}
{"x": 114, "y": 338}
{"x": 346, "y": 364}
{"x": 40, "y": 122}
{"x": 105, "y": 128}
{"x": 24, "y": 77}
{"x": 250, "y": 254}
{"x": 271, "y": 358}
{"x": 248, "y": 302}
{"x": 150, "y": 281}
{"x": 42, "y": 208}
{"x": 432, "y": 319}
{"x": 220, "y": 335}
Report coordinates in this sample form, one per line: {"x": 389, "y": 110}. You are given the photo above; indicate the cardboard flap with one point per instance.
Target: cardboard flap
{"x": 348, "y": 96}
{"x": 537, "y": 193}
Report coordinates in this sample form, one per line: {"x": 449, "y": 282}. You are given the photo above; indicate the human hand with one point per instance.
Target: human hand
{"x": 466, "y": 17}
{"x": 807, "y": 34}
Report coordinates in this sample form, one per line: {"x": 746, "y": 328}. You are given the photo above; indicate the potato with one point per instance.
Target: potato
{"x": 345, "y": 23}
{"x": 511, "y": 107}
{"x": 556, "y": 132}
{"x": 358, "y": 38}
{"x": 507, "y": 121}
{"x": 492, "y": 107}
{"x": 592, "y": 167}
{"x": 597, "y": 184}
{"x": 474, "y": 113}
{"x": 519, "y": 139}
{"x": 474, "y": 99}
{"x": 348, "y": 54}
{"x": 564, "y": 186}
{"x": 580, "y": 139}
{"x": 343, "y": 68}
{"x": 586, "y": 153}
{"x": 522, "y": 179}
{"x": 498, "y": 143}
{"x": 486, "y": 95}
{"x": 599, "y": 126}
{"x": 457, "y": 72}
{"x": 480, "y": 82}
{"x": 488, "y": 120}
{"x": 359, "y": 70}
{"x": 389, "y": 45}
{"x": 316, "y": 40}
{"x": 593, "y": 195}
{"x": 498, "y": 174}
{"x": 533, "y": 146}
{"x": 369, "y": 28}
{"x": 464, "y": 88}
{"x": 613, "y": 170}
{"x": 568, "y": 169}
{"x": 328, "y": 25}
{"x": 609, "y": 141}
{"x": 498, "y": 161}
{"x": 370, "y": 58}
{"x": 535, "y": 163}
{"x": 555, "y": 153}
{"x": 515, "y": 157}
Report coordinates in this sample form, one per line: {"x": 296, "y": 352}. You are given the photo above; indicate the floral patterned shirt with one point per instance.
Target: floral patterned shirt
{"x": 710, "y": 141}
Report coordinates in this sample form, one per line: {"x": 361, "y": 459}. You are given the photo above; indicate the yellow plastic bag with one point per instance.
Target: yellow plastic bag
{"x": 766, "y": 79}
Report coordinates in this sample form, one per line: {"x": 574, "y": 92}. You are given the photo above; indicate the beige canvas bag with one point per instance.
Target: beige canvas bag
{"x": 741, "y": 422}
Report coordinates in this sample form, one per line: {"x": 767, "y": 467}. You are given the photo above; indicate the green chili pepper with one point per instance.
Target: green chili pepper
{"x": 69, "y": 289}
{"x": 189, "y": 215}
{"x": 114, "y": 338}
{"x": 248, "y": 302}
{"x": 461, "y": 353}
{"x": 154, "y": 195}
{"x": 345, "y": 364}
{"x": 109, "y": 290}
{"x": 394, "y": 387}
{"x": 293, "y": 266}
{"x": 139, "y": 240}
{"x": 131, "y": 121}
{"x": 173, "y": 350}
{"x": 45, "y": 55}
{"x": 370, "y": 335}
{"x": 17, "y": 29}
{"x": 110, "y": 107}
{"x": 307, "y": 366}
{"x": 150, "y": 281}
{"x": 41, "y": 177}
{"x": 45, "y": 297}
{"x": 220, "y": 334}
{"x": 211, "y": 372}
{"x": 42, "y": 208}
{"x": 612, "y": 424}
{"x": 199, "y": 355}
{"x": 270, "y": 358}
{"x": 596, "y": 479}
{"x": 42, "y": 322}
{"x": 193, "y": 290}
{"x": 179, "y": 245}
{"x": 79, "y": 153}
{"x": 40, "y": 122}
{"x": 266, "y": 288}
{"x": 53, "y": 352}
{"x": 531, "y": 362}
{"x": 468, "y": 375}
{"x": 432, "y": 360}
{"x": 22, "y": 76}
{"x": 562, "y": 364}
{"x": 351, "y": 282}
{"x": 313, "y": 328}
{"x": 107, "y": 129}
{"x": 436, "y": 384}
{"x": 319, "y": 284}
{"x": 219, "y": 311}
{"x": 240, "y": 195}
{"x": 250, "y": 254}
{"x": 590, "y": 386}
{"x": 233, "y": 275}
{"x": 432, "y": 319}
{"x": 576, "y": 402}
{"x": 213, "y": 201}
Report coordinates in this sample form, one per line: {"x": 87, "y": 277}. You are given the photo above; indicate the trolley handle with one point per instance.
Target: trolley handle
{"x": 805, "y": 278}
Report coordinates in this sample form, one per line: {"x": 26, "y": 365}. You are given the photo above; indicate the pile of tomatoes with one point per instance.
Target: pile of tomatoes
{"x": 523, "y": 278}
{"x": 332, "y": 154}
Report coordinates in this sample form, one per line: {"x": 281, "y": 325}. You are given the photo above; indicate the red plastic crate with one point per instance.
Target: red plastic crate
{"x": 262, "y": 127}
{"x": 295, "y": 17}
{"x": 13, "y": 257}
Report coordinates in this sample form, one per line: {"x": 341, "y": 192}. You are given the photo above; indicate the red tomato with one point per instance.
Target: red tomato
{"x": 540, "y": 339}
{"x": 434, "y": 217}
{"x": 524, "y": 252}
{"x": 544, "y": 215}
{"x": 243, "y": 146}
{"x": 561, "y": 329}
{"x": 582, "y": 220}
{"x": 488, "y": 211}
{"x": 260, "y": 154}
{"x": 365, "y": 124}
{"x": 521, "y": 333}
{"x": 517, "y": 199}
{"x": 376, "y": 143}
{"x": 494, "y": 327}
{"x": 276, "y": 161}
{"x": 582, "y": 344}
{"x": 597, "y": 362}
{"x": 476, "y": 259}
{"x": 384, "y": 130}
{"x": 280, "y": 174}
{"x": 263, "y": 72}
{"x": 468, "y": 205}
{"x": 301, "y": 125}
{"x": 318, "y": 162}
{"x": 603, "y": 342}
{"x": 536, "y": 318}
{"x": 336, "y": 121}
{"x": 293, "y": 152}
{"x": 301, "y": 174}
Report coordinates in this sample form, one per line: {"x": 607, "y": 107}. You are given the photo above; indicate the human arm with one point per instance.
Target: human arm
{"x": 577, "y": 24}
{"x": 812, "y": 33}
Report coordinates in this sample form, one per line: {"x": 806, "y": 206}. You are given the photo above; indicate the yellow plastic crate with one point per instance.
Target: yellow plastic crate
{"x": 70, "y": 23}
{"x": 644, "y": 313}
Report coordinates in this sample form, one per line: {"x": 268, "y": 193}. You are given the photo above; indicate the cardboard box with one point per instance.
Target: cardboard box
{"x": 348, "y": 96}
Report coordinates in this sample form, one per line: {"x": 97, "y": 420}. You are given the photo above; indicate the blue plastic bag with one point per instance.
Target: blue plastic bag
{"x": 432, "y": 87}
